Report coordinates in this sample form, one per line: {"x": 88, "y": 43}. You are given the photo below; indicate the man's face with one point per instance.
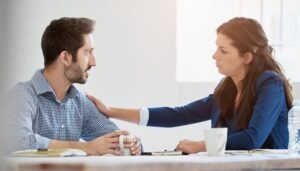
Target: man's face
{"x": 77, "y": 72}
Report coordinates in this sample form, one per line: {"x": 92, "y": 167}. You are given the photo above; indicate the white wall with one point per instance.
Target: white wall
{"x": 135, "y": 49}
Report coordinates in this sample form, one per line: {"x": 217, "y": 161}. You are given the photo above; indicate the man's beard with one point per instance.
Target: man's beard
{"x": 75, "y": 74}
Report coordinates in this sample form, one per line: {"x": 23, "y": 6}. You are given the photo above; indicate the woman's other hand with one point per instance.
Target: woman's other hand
{"x": 189, "y": 146}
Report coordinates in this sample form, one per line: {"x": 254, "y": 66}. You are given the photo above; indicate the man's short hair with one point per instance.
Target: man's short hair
{"x": 65, "y": 34}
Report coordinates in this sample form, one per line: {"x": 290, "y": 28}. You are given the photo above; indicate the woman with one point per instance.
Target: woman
{"x": 252, "y": 100}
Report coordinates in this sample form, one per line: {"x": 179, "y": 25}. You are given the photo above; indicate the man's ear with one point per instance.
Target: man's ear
{"x": 247, "y": 58}
{"x": 65, "y": 58}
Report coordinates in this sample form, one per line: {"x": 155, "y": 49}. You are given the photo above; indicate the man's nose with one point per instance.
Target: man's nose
{"x": 92, "y": 60}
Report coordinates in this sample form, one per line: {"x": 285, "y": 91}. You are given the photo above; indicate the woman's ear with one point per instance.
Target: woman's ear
{"x": 247, "y": 58}
{"x": 65, "y": 58}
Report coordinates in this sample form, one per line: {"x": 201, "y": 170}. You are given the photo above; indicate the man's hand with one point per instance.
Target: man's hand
{"x": 134, "y": 144}
{"x": 106, "y": 144}
{"x": 189, "y": 146}
{"x": 100, "y": 105}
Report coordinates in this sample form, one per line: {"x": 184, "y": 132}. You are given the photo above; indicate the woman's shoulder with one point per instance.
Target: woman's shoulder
{"x": 267, "y": 76}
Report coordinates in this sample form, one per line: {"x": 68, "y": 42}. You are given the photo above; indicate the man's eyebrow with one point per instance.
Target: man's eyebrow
{"x": 88, "y": 49}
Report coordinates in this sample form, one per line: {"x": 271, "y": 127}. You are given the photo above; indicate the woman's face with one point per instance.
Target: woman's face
{"x": 228, "y": 60}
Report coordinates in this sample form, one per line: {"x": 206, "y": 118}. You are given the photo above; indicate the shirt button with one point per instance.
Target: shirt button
{"x": 62, "y": 126}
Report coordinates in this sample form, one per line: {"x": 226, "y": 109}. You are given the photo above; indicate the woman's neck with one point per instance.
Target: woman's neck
{"x": 238, "y": 84}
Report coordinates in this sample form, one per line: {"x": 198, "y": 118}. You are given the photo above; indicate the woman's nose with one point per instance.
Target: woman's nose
{"x": 214, "y": 56}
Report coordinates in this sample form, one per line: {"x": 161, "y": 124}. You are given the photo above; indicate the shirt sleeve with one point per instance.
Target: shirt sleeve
{"x": 95, "y": 124}
{"x": 194, "y": 112}
{"x": 268, "y": 107}
{"x": 144, "y": 116}
{"x": 21, "y": 110}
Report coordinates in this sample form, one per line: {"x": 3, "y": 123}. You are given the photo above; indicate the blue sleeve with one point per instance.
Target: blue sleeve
{"x": 95, "y": 124}
{"x": 268, "y": 106}
{"x": 197, "y": 111}
{"x": 21, "y": 110}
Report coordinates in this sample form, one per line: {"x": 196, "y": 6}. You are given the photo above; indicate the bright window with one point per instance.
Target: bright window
{"x": 196, "y": 33}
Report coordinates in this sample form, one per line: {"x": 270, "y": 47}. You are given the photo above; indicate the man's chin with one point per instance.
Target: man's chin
{"x": 80, "y": 81}
{"x": 83, "y": 81}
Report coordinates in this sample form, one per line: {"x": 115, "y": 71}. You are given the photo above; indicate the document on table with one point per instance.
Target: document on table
{"x": 257, "y": 151}
{"x": 165, "y": 153}
{"x": 62, "y": 152}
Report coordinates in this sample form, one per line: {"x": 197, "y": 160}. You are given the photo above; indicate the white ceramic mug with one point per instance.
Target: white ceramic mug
{"x": 125, "y": 151}
{"x": 215, "y": 141}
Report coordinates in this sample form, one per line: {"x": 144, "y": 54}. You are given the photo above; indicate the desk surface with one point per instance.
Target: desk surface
{"x": 156, "y": 163}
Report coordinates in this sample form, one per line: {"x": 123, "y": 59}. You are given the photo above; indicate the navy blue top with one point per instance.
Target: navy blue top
{"x": 267, "y": 127}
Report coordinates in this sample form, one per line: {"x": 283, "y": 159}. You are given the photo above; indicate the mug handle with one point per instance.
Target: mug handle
{"x": 121, "y": 142}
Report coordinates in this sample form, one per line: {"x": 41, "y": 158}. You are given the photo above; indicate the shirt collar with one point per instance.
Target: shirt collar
{"x": 41, "y": 85}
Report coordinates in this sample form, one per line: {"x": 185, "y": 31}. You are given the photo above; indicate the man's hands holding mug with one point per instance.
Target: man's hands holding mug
{"x": 129, "y": 145}
{"x": 110, "y": 144}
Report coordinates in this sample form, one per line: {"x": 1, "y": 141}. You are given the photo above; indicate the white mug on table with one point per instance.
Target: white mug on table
{"x": 215, "y": 141}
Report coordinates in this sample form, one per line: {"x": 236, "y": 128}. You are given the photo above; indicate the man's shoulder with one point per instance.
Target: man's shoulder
{"x": 81, "y": 98}
{"x": 84, "y": 104}
{"x": 22, "y": 88}
{"x": 21, "y": 96}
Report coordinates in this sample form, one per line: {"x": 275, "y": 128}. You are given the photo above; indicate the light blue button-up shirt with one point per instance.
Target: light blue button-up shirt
{"x": 37, "y": 116}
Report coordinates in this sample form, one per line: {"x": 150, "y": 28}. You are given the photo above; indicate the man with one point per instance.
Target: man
{"x": 49, "y": 112}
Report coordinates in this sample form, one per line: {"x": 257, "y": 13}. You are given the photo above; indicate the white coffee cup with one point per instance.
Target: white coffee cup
{"x": 125, "y": 151}
{"x": 215, "y": 141}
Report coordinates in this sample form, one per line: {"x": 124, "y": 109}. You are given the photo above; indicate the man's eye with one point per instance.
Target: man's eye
{"x": 87, "y": 53}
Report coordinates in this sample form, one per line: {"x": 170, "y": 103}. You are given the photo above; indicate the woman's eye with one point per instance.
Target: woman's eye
{"x": 223, "y": 51}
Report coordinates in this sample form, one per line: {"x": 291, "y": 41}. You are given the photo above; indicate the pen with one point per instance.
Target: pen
{"x": 146, "y": 153}
{"x": 42, "y": 149}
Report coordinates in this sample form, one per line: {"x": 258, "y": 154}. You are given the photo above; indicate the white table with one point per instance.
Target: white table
{"x": 197, "y": 162}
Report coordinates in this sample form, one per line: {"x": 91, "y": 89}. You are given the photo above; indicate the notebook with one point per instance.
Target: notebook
{"x": 60, "y": 152}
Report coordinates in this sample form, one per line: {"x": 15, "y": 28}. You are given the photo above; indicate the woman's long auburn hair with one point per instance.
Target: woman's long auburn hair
{"x": 247, "y": 35}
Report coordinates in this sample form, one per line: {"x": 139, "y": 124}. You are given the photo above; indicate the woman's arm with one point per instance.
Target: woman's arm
{"x": 129, "y": 115}
{"x": 194, "y": 112}
{"x": 197, "y": 111}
